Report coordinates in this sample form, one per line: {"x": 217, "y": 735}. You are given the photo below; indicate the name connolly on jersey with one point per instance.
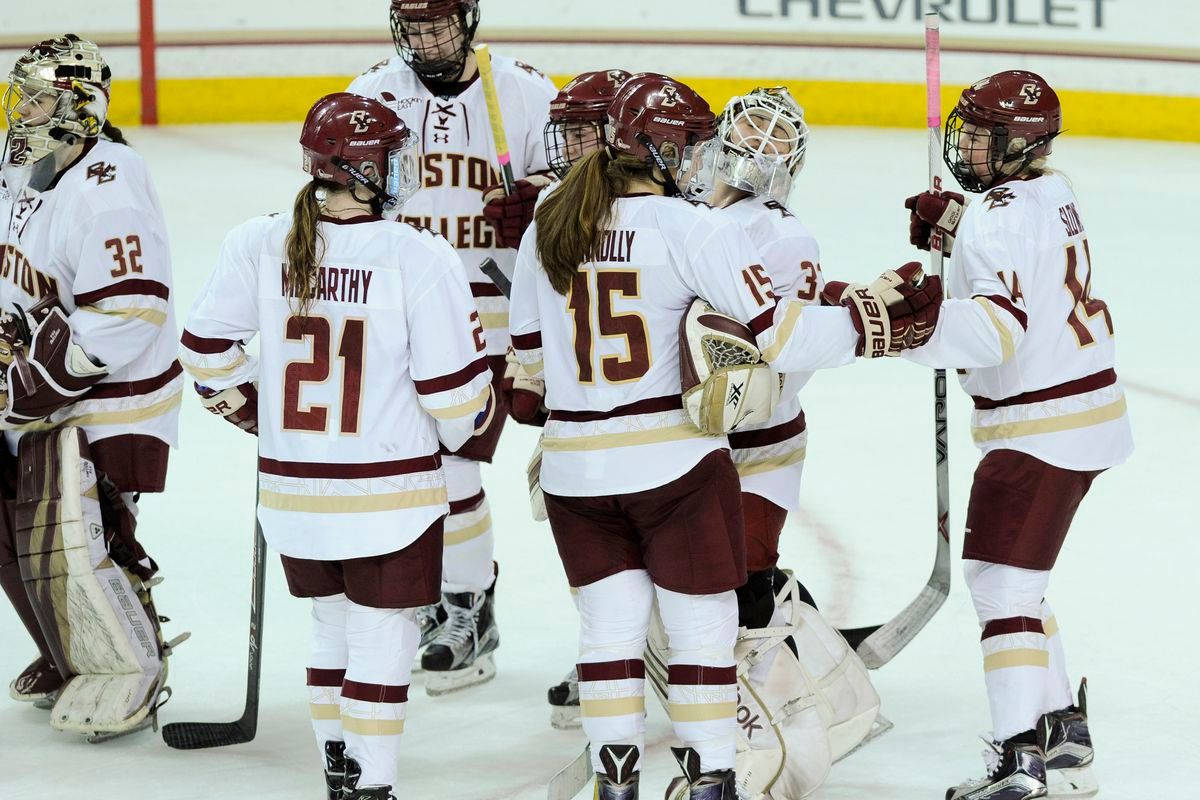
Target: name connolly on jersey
{"x": 15, "y": 267}
{"x": 336, "y": 284}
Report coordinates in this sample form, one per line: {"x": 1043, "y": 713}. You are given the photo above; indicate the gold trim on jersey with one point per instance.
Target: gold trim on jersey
{"x": 605, "y": 441}
{"x": 494, "y": 321}
{"x": 613, "y": 707}
{"x": 1050, "y": 627}
{"x": 532, "y": 369}
{"x": 151, "y": 315}
{"x": 701, "y": 712}
{"x": 468, "y": 533}
{"x": 784, "y": 331}
{"x": 1063, "y": 422}
{"x": 767, "y": 464}
{"x": 208, "y": 373}
{"x": 1017, "y": 657}
{"x": 462, "y": 409}
{"x": 351, "y": 504}
{"x": 325, "y": 710}
{"x": 372, "y": 727}
{"x": 1007, "y": 348}
{"x": 121, "y": 417}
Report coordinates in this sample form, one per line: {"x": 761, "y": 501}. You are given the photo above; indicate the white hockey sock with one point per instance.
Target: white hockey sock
{"x": 1016, "y": 662}
{"x": 1058, "y": 682}
{"x": 382, "y": 643}
{"x": 469, "y": 545}
{"x": 702, "y": 674}
{"x": 614, "y": 616}
{"x": 327, "y": 669}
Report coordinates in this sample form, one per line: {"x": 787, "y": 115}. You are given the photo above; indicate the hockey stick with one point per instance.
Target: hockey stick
{"x": 878, "y": 645}
{"x": 483, "y": 60}
{"x": 198, "y": 735}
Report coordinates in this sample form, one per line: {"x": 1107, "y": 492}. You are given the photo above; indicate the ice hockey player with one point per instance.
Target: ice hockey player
{"x": 603, "y": 335}
{"x": 89, "y": 392}
{"x": 351, "y": 490}
{"x": 1035, "y": 350}
{"x": 806, "y": 699}
{"x": 432, "y": 84}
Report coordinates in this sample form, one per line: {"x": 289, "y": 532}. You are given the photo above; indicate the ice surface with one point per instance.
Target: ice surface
{"x": 863, "y": 543}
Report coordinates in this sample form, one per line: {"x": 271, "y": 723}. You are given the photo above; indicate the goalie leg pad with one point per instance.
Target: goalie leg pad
{"x": 97, "y": 614}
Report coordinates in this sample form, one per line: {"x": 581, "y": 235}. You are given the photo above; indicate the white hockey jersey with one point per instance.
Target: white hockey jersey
{"x": 770, "y": 457}
{"x": 96, "y": 238}
{"x": 353, "y": 398}
{"x": 1032, "y": 345}
{"x": 609, "y": 350}
{"x": 459, "y": 161}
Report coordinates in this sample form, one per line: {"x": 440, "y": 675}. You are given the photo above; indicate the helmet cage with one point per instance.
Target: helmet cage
{"x": 973, "y": 176}
{"x": 568, "y": 140}
{"x": 765, "y": 159}
{"x": 435, "y": 39}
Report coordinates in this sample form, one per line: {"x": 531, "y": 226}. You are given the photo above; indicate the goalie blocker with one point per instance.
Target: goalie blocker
{"x": 87, "y": 589}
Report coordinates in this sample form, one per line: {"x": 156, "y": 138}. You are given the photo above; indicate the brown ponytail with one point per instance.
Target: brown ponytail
{"x": 113, "y": 133}
{"x": 304, "y": 247}
{"x": 572, "y": 220}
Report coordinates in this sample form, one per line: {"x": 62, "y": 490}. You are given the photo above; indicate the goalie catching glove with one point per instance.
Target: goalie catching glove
{"x": 898, "y": 311}
{"x": 725, "y": 383}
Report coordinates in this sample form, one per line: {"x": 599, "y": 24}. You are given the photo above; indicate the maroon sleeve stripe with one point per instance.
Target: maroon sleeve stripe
{"x": 203, "y": 345}
{"x": 740, "y": 440}
{"x": 696, "y": 675}
{"x": 107, "y": 391}
{"x": 762, "y": 321}
{"x": 1008, "y": 306}
{"x": 335, "y": 471}
{"x": 632, "y": 668}
{"x": 455, "y": 379}
{"x": 325, "y": 677}
{"x": 486, "y": 290}
{"x": 123, "y": 288}
{"x": 527, "y": 341}
{"x": 374, "y": 692}
{"x": 1000, "y": 627}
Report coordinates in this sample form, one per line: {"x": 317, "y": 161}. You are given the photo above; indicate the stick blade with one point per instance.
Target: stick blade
{"x": 882, "y": 646}
{"x": 571, "y": 779}
{"x": 201, "y": 735}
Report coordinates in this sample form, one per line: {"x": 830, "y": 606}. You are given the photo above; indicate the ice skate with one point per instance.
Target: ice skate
{"x": 619, "y": 780}
{"x": 460, "y": 655}
{"x": 1016, "y": 771}
{"x": 38, "y": 684}
{"x": 431, "y": 618}
{"x": 564, "y": 703}
{"x": 352, "y": 791}
{"x": 696, "y": 785}
{"x": 1068, "y": 748}
{"x": 335, "y": 769}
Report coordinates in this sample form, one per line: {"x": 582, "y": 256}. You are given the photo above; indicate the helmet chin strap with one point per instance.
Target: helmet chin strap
{"x": 668, "y": 183}
{"x": 378, "y": 195}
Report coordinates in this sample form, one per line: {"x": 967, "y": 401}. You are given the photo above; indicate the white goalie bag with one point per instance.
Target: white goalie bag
{"x": 724, "y": 381}
{"x": 796, "y": 715}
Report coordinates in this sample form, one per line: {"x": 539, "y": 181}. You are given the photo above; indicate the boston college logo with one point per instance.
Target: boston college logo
{"x": 103, "y": 173}
{"x": 999, "y": 197}
{"x": 1032, "y": 93}
{"x": 361, "y": 121}
{"x": 670, "y": 96}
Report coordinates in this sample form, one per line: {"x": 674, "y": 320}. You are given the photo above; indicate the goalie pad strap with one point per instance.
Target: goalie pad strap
{"x": 96, "y": 614}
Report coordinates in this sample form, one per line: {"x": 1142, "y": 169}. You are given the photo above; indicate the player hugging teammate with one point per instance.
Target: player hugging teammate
{"x": 89, "y": 393}
{"x": 433, "y": 85}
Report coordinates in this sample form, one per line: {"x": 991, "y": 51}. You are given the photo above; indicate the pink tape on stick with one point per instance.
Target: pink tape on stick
{"x": 933, "y": 72}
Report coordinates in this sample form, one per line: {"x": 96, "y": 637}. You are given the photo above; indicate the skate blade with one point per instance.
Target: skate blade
{"x": 31, "y": 698}
{"x": 565, "y": 718}
{"x": 1078, "y": 782}
{"x": 439, "y": 683}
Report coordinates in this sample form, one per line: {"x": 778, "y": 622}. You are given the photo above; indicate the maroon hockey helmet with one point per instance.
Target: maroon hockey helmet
{"x": 434, "y": 36}
{"x": 1006, "y": 106}
{"x": 659, "y": 119}
{"x": 577, "y": 117}
{"x": 352, "y": 140}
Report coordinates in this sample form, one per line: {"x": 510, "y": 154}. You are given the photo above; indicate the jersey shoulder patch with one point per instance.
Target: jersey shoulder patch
{"x": 999, "y": 197}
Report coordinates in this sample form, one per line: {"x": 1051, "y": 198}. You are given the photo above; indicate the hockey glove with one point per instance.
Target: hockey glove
{"x": 898, "y": 311}
{"x": 509, "y": 215}
{"x": 526, "y": 394}
{"x": 237, "y": 404}
{"x": 928, "y": 211}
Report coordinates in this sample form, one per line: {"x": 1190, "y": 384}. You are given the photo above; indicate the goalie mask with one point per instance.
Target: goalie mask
{"x": 761, "y": 142}
{"x": 1000, "y": 125}
{"x": 434, "y": 36}
{"x": 57, "y": 94}
{"x": 577, "y": 116}
{"x": 662, "y": 122}
{"x": 355, "y": 141}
